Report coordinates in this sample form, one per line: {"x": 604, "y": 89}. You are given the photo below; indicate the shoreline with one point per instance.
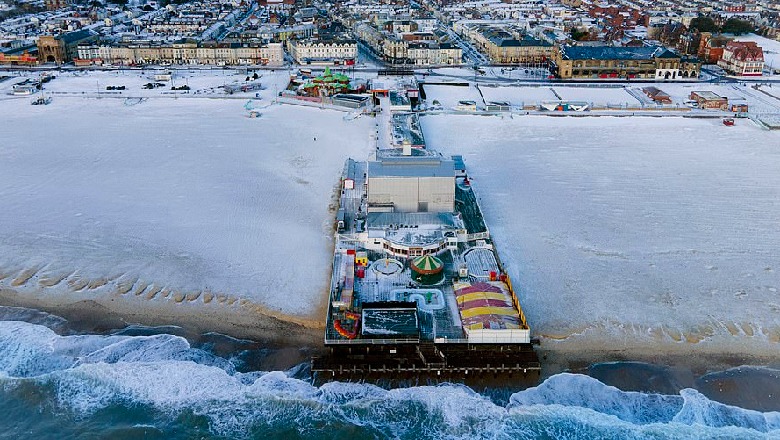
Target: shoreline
{"x": 722, "y": 376}
{"x": 242, "y": 319}
{"x": 701, "y": 357}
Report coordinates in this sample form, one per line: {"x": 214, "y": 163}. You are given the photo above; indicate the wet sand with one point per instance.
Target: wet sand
{"x": 105, "y": 313}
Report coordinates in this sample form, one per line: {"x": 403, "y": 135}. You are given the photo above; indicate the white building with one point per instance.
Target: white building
{"x": 315, "y": 51}
{"x": 434, "y": 54}
{"x": 411, "y": 184}
{"x": 270, "y": 54}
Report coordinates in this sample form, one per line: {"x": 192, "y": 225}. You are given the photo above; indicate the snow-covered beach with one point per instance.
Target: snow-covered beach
{"x": 634, "y": 235}
{"x": 175, "y": 201}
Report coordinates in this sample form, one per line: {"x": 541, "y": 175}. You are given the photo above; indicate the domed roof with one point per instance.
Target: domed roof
{"x": 427, "y": 265}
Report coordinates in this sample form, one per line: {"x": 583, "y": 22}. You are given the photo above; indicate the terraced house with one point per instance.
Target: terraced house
{"x": 321, "y": 51}
{"x": 207, "y": 53}
{"x": 505, "y": 44}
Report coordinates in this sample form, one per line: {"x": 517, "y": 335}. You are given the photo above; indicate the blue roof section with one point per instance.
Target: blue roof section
{"x": 615, "y": 53}
{"x": 458, "y": 162}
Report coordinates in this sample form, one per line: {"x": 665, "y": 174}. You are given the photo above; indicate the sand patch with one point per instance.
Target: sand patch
{"x": 140, "y": 287}
{"x": 673, "y": 333}
{"x": 773, "y": 334}
{"x": 77, "y": 283}
{"x": 153, "y": 290}
{"x": 52, "y": 279}
{"x": 657, "y": 333}
{"x": 732, "y": 328}
{"x": 693, "y": 337}
{"x": 152, "y": 294}
{"x": 125, "y": 285}
{"x": 25, "y": 276}
{"x": 97, "y": 282}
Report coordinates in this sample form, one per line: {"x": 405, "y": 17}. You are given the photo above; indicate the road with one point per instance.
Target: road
{"x": 470, "y": 54}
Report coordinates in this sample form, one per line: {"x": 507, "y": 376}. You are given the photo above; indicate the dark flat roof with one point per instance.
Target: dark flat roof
{"x": 71, "y": 37}
{"x": 390, "y": 321}
{"x": 411, "y": 167}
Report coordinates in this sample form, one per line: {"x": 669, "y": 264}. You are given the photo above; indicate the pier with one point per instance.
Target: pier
{"x": 417, "y": 288}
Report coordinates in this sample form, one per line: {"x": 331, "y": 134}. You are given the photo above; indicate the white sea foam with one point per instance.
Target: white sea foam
{"x": 28, "y": 350}
{"x": 700, "y": 410}
{"x": 88, "y": 373}
{"x": 689, "y": 408}
{"x": 584, "y": 391}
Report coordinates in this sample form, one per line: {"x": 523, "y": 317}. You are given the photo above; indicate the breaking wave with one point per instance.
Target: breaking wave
{"x": 160, "y": 386}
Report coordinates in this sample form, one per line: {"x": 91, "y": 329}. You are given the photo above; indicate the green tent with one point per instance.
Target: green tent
{"x": 427, "y": 265}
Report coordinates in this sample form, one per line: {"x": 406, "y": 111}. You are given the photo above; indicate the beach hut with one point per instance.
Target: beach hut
{"x": 427, "y": 269}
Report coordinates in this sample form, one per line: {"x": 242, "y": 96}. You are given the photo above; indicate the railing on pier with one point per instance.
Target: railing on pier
{"x": 478, "y": 236}
{"x": 516, "y": 302}
{"x": 371, "y": 341}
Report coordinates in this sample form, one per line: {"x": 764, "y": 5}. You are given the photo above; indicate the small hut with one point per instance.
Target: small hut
{"x": 427, "y": 269}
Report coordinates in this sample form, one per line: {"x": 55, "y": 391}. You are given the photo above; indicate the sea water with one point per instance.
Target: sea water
{"x": 150, "y": 383}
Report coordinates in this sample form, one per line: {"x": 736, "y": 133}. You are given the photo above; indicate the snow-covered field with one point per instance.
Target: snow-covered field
{"x": 630, "y": 229}
{"x": 448, "y": 96}
{"x": 597, "y": 95}
{"x": 519, "y": 96}
{"x": 201, "y": 82}
{"x": 184, "y": 196}
{"x": 736, "y": 94}
{"x": 601, "y": 96}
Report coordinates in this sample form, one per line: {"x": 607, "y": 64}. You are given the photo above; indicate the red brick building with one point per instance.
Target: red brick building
{"x": 709, "y": 100}
{"x": 711, "y": 47}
